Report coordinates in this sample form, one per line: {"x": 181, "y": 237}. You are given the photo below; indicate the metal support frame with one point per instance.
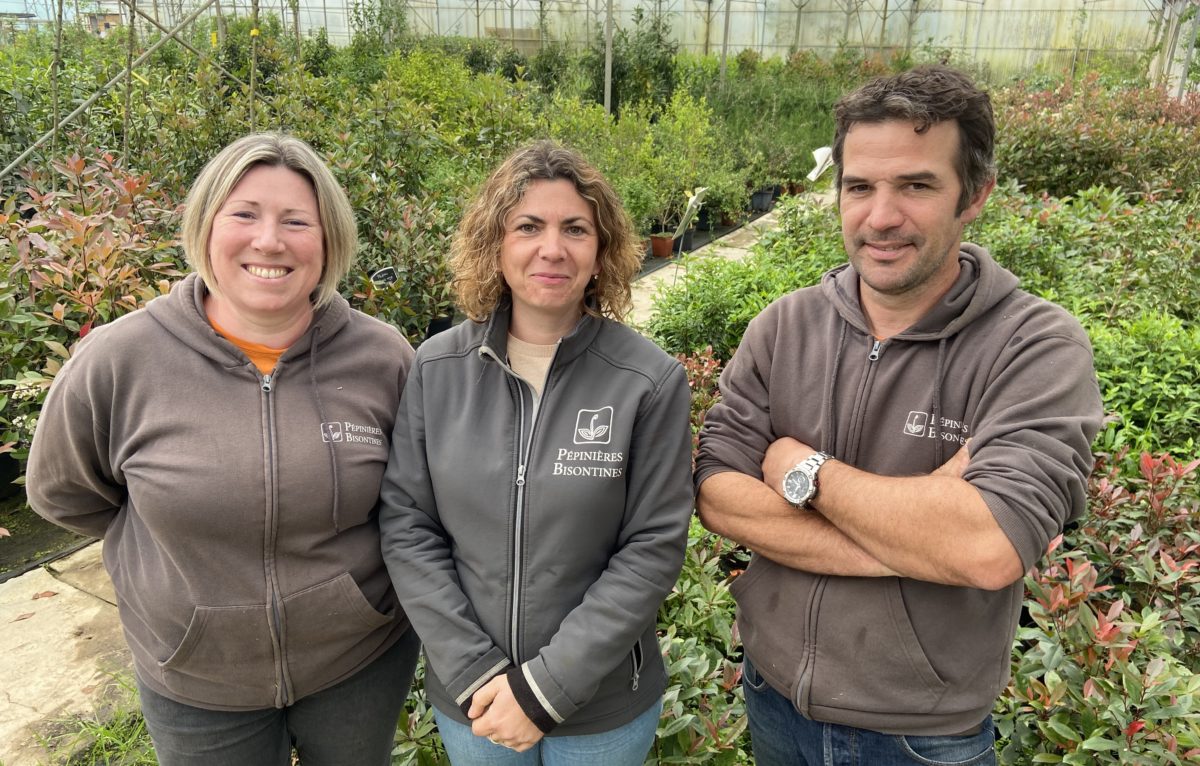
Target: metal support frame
{"x": 105, "y": 87}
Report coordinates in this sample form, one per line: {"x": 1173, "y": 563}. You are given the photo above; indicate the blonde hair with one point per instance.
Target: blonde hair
{"x": 223, "y": 172}
{"x": 475, "y": 250}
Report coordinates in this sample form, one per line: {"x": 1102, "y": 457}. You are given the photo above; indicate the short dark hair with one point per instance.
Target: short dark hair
{"x": 925, "y": 96}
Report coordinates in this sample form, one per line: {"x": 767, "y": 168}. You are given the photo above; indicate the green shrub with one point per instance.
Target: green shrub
{"x": 380, "y": 28}
{"x": 1109, "y": 672}
{"x": 100, "y": 246}
{"x": 643, "y": 67}
{"x": 1096, "y": 253}
{"x": 317, "y": 54}
{"x": 1149, "y": 371}
{"x": 704, "y": 715}
{"x": 711, "y": 304}
{"x": 1081, "y": 135}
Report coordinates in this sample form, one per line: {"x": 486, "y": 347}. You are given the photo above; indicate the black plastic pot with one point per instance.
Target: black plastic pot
{"x": 10, "y": 469}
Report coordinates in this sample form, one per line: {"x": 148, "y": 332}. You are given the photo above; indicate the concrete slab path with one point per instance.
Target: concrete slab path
{"x": 62, "y": 651}
{"x": 60, "y": 636}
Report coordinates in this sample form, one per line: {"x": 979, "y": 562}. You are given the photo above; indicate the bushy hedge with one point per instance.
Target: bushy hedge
{"x": 1082, "y": 134}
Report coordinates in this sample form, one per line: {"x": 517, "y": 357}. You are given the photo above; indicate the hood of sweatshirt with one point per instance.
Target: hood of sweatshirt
{"x": 182, "y": 314}
{"x": 981, "y": 284}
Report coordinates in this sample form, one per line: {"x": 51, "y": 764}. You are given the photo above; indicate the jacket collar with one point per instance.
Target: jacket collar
{"x": 981, "y": 284}
{"x": 182, "y": 314}
{"x": 570, "y": 346}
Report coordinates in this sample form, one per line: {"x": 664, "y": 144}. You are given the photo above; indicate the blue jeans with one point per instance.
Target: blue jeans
{"x": 353, "y": 722}
{"x": 780, "y": 736}
{"x": 623, "y": 746}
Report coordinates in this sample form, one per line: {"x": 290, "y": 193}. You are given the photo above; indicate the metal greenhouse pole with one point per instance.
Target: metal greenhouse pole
{"x": 608, "y": 33}
{"x": 725, "y": 42}
{"x": 1187, "y": 57}
{"x": 796, "y": 34}
{"x": 103, "y": 89}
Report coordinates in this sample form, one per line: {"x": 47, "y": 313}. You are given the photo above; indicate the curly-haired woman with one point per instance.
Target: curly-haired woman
{"x": 536, "y": 503}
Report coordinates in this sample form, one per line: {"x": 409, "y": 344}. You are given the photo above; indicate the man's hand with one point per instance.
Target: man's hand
{"x": 496, "y": 714}
{"x": 956, "y": 466}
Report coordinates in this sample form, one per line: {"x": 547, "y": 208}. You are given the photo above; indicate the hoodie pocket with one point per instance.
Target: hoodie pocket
{"x": 226, "y": 658}
{"x": 740, "y": 584}
{"x": 323, "y": 628}
{"x": 868, "y": 655}
{"x": 776, "y": 618}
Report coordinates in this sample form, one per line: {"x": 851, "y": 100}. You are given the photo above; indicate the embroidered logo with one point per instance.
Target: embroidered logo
{"x": 594, "y": 426}
{"x": 915, "y": 425}
{"x": 331, "y": 432}
{"x": 351, "y": 433}
{"x": 923, "y": 424}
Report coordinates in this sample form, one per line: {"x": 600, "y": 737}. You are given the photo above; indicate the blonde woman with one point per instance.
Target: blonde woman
{"x": 227, "y": 442}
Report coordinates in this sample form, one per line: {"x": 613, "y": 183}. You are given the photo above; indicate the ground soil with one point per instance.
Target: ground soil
{"x": 31, "y": 539}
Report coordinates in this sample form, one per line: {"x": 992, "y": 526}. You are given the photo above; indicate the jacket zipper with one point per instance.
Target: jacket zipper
{"x": 803, "y": 686}
{"x": 518, "y": 529}
{"x": 525, "y": 449}
{"x": 636, "y": 660}
{"x": 519, "y": 522}
{"x": 276, "y": 622}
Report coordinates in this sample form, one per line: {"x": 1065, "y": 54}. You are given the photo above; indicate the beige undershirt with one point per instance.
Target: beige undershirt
{"x": 530, "y": 361}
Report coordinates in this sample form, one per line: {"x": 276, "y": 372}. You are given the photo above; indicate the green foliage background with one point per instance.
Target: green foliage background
{"x": 1097, "y": 211}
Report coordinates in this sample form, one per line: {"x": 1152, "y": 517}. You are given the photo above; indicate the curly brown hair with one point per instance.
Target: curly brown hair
{"x": 475, "y": 252}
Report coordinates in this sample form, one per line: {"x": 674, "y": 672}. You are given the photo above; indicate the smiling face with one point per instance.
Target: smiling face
{"x": 267, "y": 254}
{"x": 548, "y": 254}
{"x": 899, "y": 192}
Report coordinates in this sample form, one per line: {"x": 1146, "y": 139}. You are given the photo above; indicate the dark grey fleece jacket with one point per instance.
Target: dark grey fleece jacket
{"x": 236, "y": 509}
{"x": 539, "y": 538}
{"x": 991, "y": 363}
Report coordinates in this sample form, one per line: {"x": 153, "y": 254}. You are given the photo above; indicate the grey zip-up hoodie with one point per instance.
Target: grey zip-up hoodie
{"x": 540, "y": 537}
{"x": 236, "y": 508}
{"x": 989, "y": 362}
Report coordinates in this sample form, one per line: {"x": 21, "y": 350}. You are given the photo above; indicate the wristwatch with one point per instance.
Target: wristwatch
{"x": 800, "y": 483}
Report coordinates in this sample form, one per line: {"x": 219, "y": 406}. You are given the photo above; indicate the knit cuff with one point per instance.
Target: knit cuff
{"x": 528, "y": 700}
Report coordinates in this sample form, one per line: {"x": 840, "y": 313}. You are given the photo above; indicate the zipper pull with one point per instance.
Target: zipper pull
{"x": 266, "y": 384}
{"x": 634, "y": 685}
{"x": 521, "y": 475}
{"x": 875, "y": 349}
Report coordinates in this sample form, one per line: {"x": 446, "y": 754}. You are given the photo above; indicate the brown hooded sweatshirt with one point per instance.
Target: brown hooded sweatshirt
{"x": 989, "y": 362}
{"x": 236, "y": 508}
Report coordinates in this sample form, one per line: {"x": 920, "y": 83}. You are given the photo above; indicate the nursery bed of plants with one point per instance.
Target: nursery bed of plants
{"x": 1096, "y": 211}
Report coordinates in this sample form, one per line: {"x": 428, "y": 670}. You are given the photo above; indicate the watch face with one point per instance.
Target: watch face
{"x": 796, "y": 486}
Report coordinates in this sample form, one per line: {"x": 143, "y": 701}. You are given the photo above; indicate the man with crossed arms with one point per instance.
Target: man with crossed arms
{"x": 897, "y": 445}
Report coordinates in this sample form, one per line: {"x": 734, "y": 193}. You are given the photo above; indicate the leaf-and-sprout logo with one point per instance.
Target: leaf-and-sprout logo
{"x": 594, "y": 426}
{"x": 332, "y": 432}
{"x": 916, "y": 423}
